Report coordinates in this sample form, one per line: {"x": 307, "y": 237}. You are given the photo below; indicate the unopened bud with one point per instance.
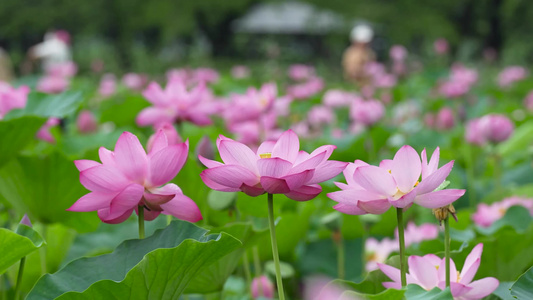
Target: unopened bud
{"x": 26, "y": 221}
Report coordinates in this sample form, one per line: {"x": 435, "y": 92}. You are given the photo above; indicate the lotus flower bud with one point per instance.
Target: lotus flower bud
{"x": 445, "y": 119}
{"x": 496, "y": 128}
{"x": 205, "y": 148}
{"x": 86, "y": 122}
{"x": 26, "y": 221}
{"x": 262, "y": 287}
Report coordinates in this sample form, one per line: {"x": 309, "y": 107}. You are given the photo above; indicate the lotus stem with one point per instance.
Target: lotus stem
{"x": 141, "y": 221}
{"x": 246, "y": 266}
{"x": 401, "y": 240}
{"x": 340, "y": 256}
{"x": 275, "y": 246}
{"x": 447, "y": 248}
{"x": 19, "y": 277}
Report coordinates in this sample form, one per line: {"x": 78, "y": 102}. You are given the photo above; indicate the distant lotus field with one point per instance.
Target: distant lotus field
{"x": 204, "y": 183}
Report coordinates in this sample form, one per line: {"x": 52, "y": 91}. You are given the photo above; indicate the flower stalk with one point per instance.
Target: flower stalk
{"x": 275, "y": 246}
{"x": 401, "y": 240}
{"x": 447, "y": 248}
{"x": 19, "y": 277}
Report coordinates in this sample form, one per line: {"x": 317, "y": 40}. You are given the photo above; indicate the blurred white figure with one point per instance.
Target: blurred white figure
{"x": 358, "y": 54}
{"x": 55, "y": 49}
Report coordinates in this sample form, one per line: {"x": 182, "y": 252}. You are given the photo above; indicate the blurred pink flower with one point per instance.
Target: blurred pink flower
{"x": 65, "y": 69}
{"x": 493, "y": 128}
{"x": 320, "y": 115}
{"x": 460, "y": 81}
{"x": 251, "y": 105}
{"x": 205, "y": 75}
{"x": 173, "y": 137}
{"x": 306, "y": 89}
{"x": 239, "y": 72}
{"x": 276, "y": 168}
{"x": 367, "y": 112}
{"x": 86, "y": 122}
{"x": 177, "y": 104}
{"x": 52, "y": 84}
{"x": 262, "y": 287}
{"x": 12, "y": 98}
{"x": 44, "y": 132}
{"x": 378, "y": 252}
{"x": 429, "y": 272}
{"x": 26, "y": 221}
{"x": 205, "y": 148}
{"x": 372, "y": 189}
{"x": 528, "y": 101}
{"x": 398, "y": 53}
{"x": 511, "y": 74}
{"x": 322, "y": 288}
{"x": 134, "y": 81}
{"x": 441, "y": 46}
{"x": 416, "y": 234}
{"x": 338, "y": 98}
{"x": 301, "y": 72}
{"x": 282, "y": 106}
{"x": 128, "y": 178}
{"x": 108, "y": 85}
{"x": 445, "y": 119}
{"x": 488, "y": 214}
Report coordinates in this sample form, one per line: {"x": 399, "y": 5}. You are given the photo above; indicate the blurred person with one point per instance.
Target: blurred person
{"x": 55, "y": 49}
{"x": 6, "y": 68}
{"x": 358, "y": 54}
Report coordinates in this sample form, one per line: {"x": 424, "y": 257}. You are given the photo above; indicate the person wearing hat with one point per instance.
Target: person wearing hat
{"x": 358, "y": 54}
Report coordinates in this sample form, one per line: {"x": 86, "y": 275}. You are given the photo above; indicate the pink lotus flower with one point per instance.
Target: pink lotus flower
{"x": 44, "y": 132}
{"x": 528, "y": 101}
{"x": 177, "y": 104}
{"x": 262, "y": 287}
{"x": 322, "y": 288}
{"x": 307, "y": 89}
{"x": 251, "y": 105}
{"x": 441, "y": 46}
{"x": 320, "y": 115}
{"x": 205, "y": 75}
{"x": 276, "y": 168}
{"x": 86, "y": 122}
{"x": 460, "y": 82}
{"x": 52, "y": 84}
{"x": 378, "y": 252}
{"x": 301, "y": 72}
{"x": 240, "y": 72}
{"x": 108, "y": 85}
{"x": 205, "y": 148}
{"x": 488, "y": 214}
{"x": 493, "y": 128}
{"x": 12, "y": 98}
{"x": 428, "y": 271}
{"x": 367, "y": 112}
{"x": 128, "y": 178}
{"x": 511, "y": 75}
{"x": 398, "y": 53}
{"x": 445, "y": 119}
{"x": 372, "y": 189}
{"x": 338, "y": 98}
{"x": 65, "y": 69}
{"x": 134, "y": 81}
{"x": 416, "y": 234}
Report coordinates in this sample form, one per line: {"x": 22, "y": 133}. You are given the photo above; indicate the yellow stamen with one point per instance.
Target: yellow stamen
{"x": 416, "y": 183}
{"x": 265, "y": 155}
{"x": 458, "y": 276}
{"x": 437, "y": 267}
